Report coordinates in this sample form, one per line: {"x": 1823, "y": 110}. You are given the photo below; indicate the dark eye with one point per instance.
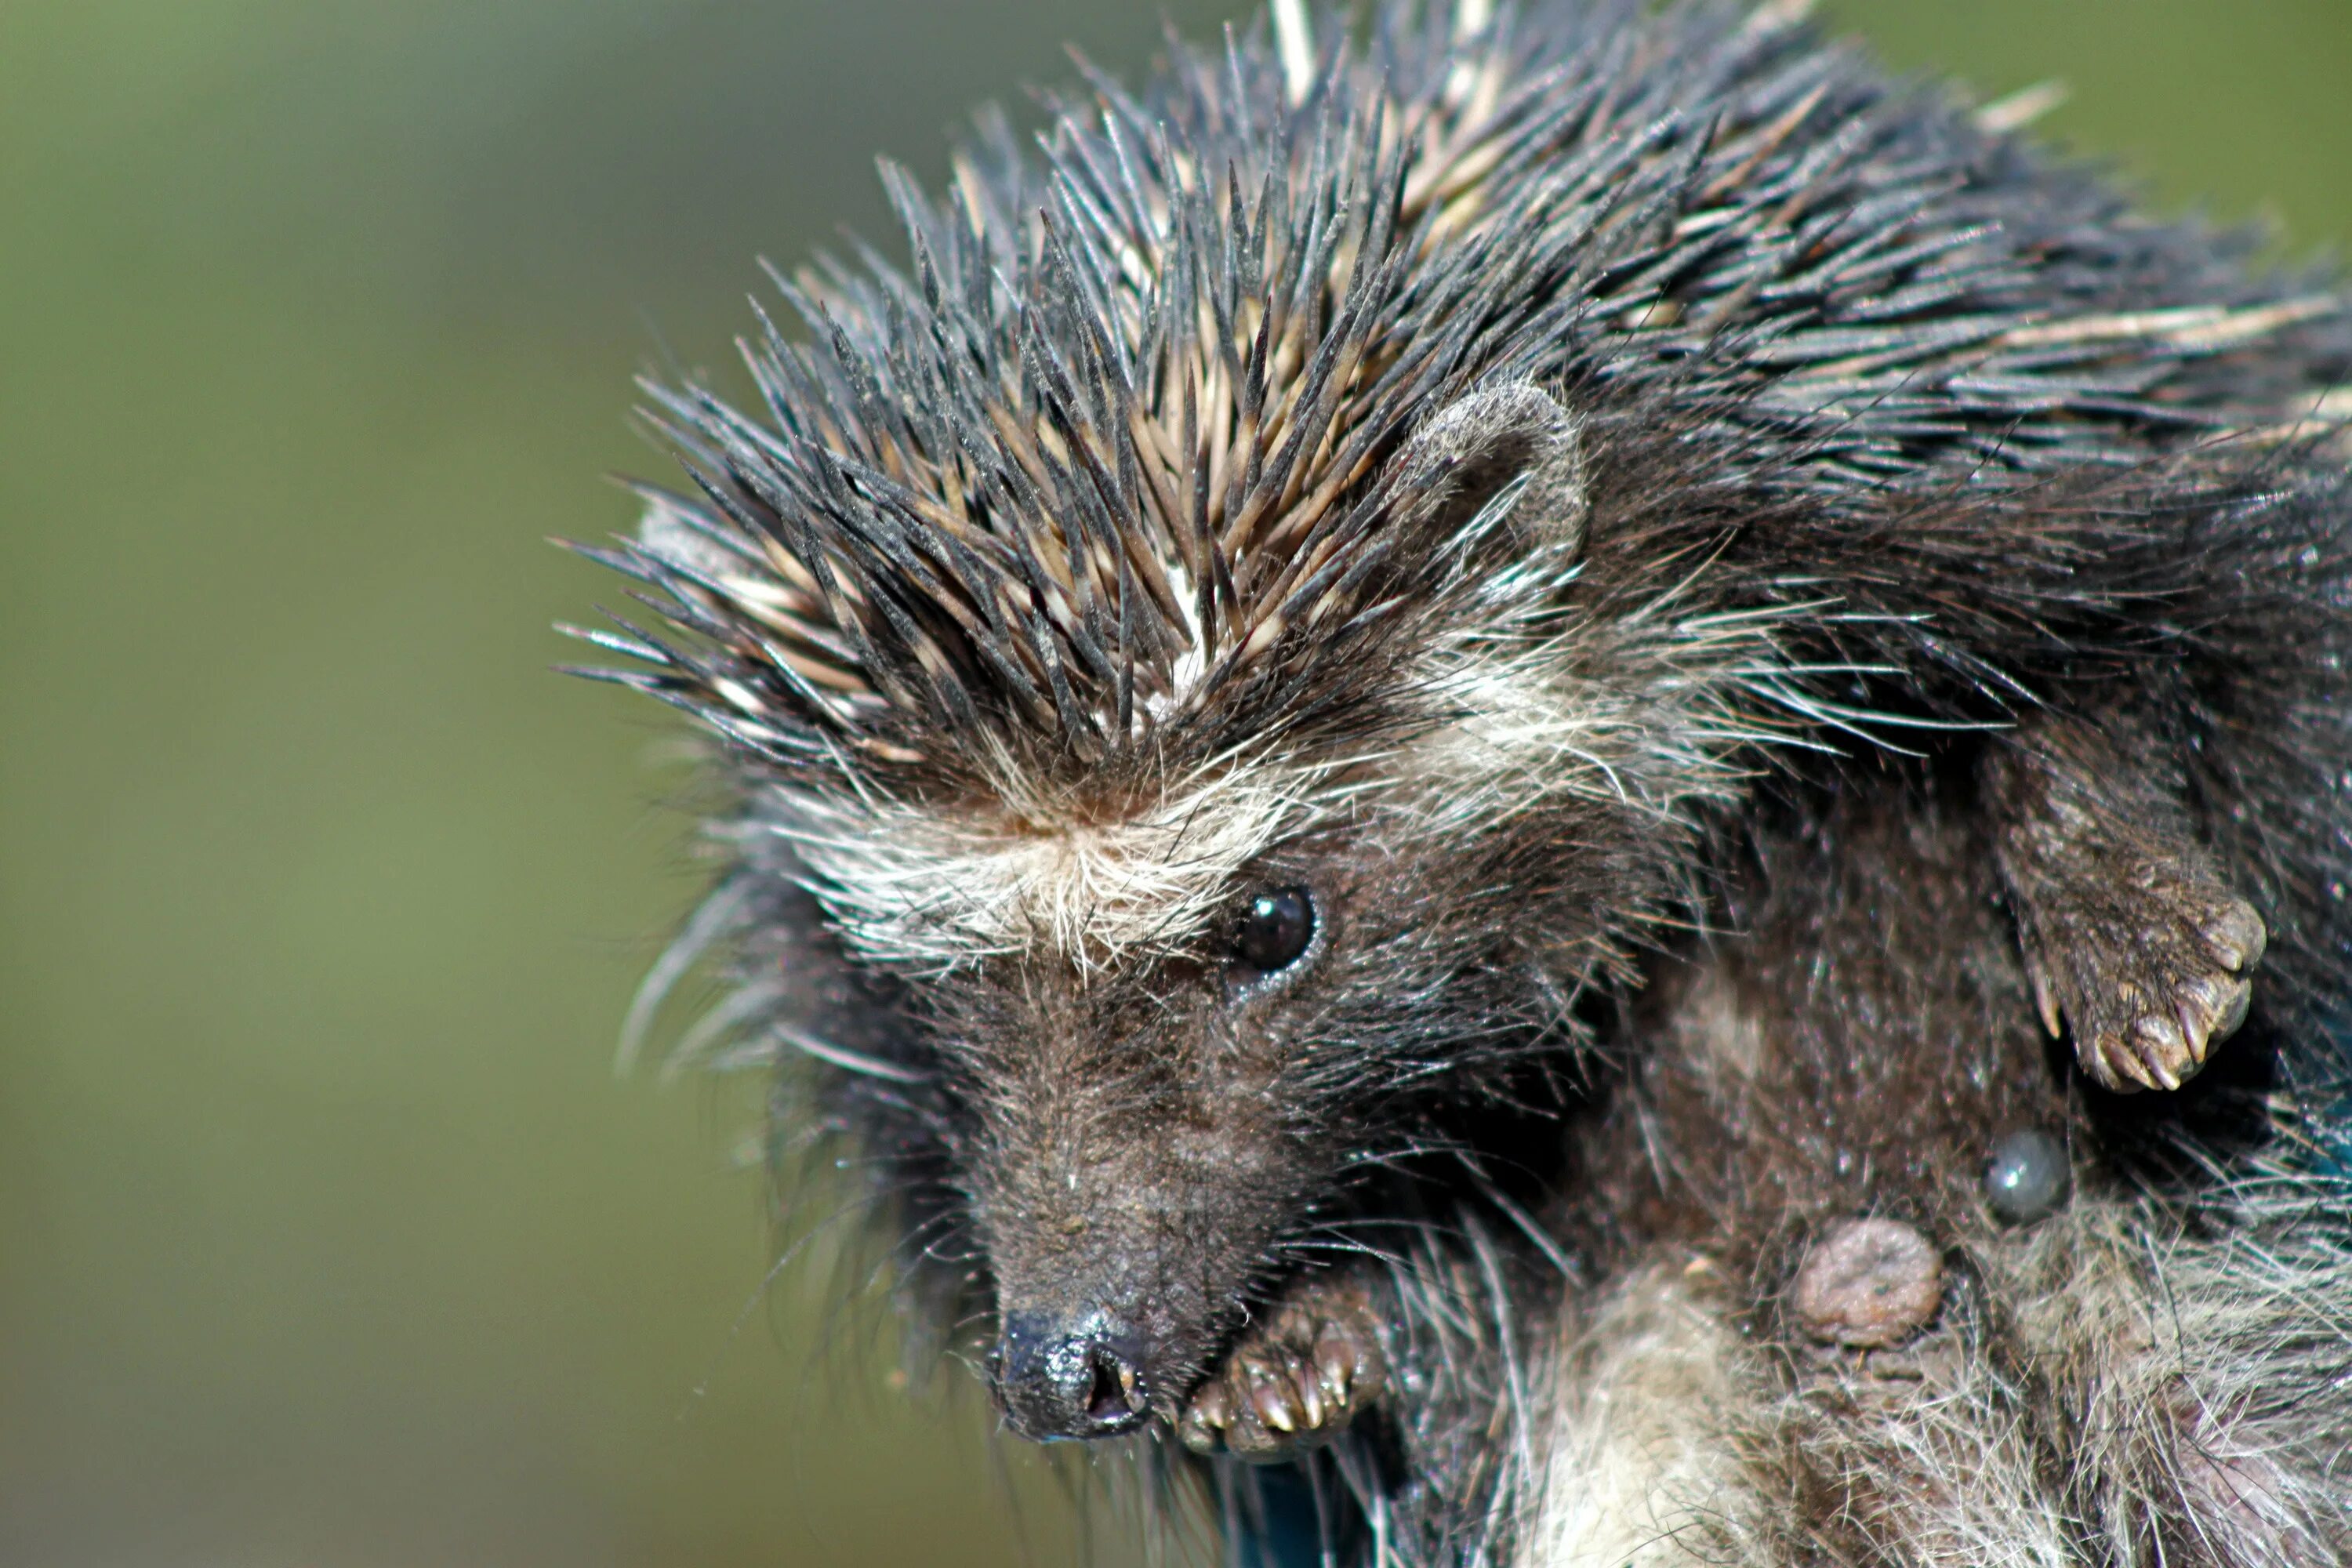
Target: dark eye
{"x": 1276, "y": 929}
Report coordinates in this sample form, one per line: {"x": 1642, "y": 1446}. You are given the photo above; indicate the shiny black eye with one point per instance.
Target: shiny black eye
{"x": 1276, "y": 929}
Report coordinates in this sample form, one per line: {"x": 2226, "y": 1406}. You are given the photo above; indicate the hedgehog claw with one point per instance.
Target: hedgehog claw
{"x": 2133, "y": 939}
{"x": 2150, "y": 999}
{"x": 1298, "y": 1377}
{"x": 2146, "y": 965}
{"x": 2045, "y": 998}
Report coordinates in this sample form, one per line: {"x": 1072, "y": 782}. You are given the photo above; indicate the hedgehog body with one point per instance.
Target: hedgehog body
{"x": 1427, "y": 731}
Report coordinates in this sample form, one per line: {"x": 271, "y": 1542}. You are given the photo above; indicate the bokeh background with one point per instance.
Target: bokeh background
{"x": 328, "y": 1235}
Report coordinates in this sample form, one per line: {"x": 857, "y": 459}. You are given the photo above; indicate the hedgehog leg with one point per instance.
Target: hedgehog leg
{"x": 2131, "y": 935}
{"x": 1300, "y": 1373}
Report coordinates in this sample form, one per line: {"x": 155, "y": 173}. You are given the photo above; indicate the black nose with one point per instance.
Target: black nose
{"x": 1059, "y": 1378}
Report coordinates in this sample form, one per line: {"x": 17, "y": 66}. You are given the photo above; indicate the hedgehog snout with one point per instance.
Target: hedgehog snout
{"x": 1082, "y": 1376}
{"x": 1105, "y": 1312}
{"x": 1129, "y": 1175}
{"x": 1111, "y": 1291}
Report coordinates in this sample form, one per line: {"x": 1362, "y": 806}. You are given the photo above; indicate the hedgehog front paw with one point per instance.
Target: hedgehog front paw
{"x": 1295, "y": 1379}
{"x": 2149, "y": 975}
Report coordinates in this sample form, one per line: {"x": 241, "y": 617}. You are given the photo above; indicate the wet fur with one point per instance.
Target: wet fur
{"x": 1789, "y": 458}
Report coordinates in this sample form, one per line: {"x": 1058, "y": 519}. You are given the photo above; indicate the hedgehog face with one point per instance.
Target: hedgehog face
{"x": 1151, "y": 1143}
{"x": 1191, "y": 963}
{"x": 1176, "y": 1045}
{"x": 1142, "y": 1142}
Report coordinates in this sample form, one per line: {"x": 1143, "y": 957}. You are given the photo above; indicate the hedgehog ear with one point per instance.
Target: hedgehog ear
{"x": 1475, "y": 449}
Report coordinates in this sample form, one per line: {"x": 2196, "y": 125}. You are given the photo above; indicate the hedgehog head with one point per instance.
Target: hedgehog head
{"x": 1149, "y": 634}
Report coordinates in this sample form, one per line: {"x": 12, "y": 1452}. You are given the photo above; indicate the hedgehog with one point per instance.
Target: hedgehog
{"x": 1496, "y": 770}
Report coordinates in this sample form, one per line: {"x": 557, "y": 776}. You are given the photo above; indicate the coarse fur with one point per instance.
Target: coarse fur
{"x": 1743, "y": 599}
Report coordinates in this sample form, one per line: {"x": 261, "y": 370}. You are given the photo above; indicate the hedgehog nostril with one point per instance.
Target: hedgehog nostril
{"x": 1110, "y": 1398}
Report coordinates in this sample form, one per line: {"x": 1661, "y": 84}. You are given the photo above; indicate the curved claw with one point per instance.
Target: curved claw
{"x": 1296, "y": 1380}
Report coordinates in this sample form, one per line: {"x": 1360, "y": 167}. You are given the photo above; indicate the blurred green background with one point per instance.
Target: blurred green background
{"x": 328, "y": 1236}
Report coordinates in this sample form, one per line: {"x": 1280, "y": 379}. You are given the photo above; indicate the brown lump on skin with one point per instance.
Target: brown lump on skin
{"x": 1869, "y": 1283}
